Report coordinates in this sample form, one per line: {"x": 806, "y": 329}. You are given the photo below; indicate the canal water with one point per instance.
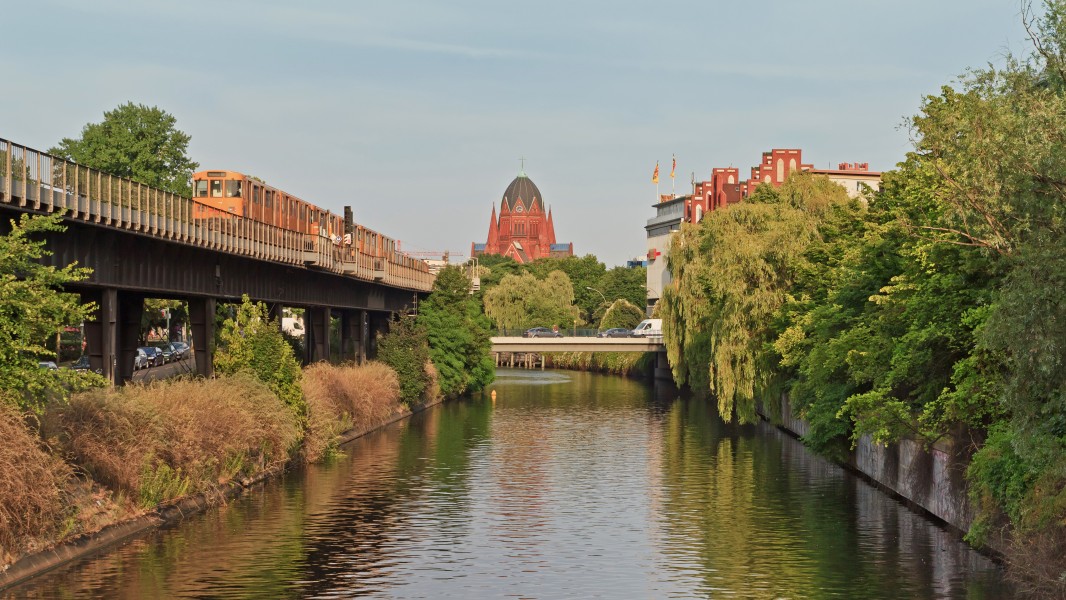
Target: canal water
{"x": 570, "y": 485}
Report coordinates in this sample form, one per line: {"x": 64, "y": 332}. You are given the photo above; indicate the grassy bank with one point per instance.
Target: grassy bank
{"x": 618, "y": 363}
{"x": 113, "y": 454}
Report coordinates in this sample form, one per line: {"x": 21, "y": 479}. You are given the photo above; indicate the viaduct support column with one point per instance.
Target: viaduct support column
{"x": 130, "y": 310}
{"x": 349, "y": 335}
{"x": 377, "y": 323}
{"x": 362, "y": 348}
{"x": 317, "y": 333}
{"x": 202, "y": 318}
{"x": 101, "y": 334}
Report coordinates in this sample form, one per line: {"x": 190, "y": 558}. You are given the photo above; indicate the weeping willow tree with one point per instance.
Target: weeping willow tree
{"x": 732, "y": 273}
{"x": 523, "y": 301}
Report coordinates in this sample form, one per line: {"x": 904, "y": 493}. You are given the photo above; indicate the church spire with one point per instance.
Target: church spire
{"x": 492, "y": 244}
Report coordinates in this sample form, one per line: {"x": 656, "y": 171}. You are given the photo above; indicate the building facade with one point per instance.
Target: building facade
{"x": 725, "y": 187}
{"x": 524, "y": 229}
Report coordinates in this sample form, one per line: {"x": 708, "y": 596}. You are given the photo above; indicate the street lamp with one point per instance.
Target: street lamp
{"x": 598, "y": 292}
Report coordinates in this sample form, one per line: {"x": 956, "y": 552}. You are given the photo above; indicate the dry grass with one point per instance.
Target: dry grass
{"x": 346, "y": 397}
{"x": 168, "y": 438}
{"x": 1037, "y": 562}
{"x": 32, "y": 491}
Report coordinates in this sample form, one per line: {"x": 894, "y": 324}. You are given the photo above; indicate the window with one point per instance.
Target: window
{"x": 233, "y": 189}
{"x": 216, "y": 188}
{"x": 201, "y": 188}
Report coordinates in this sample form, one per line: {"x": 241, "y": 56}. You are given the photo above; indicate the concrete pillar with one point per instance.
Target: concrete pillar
{"x": 317, "y": 333}
{"x": 130, "y": 311}
{"x": 101, "y": 334}
{"x": 202, "y": 319}
{"x": 378, "y": 323}
{"x": 662, "y": 367}
{"x": 362, "y": 348}
{"x": 350, "y": 330}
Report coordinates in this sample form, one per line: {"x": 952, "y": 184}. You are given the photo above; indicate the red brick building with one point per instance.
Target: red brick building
{"x": 524, "y": 230}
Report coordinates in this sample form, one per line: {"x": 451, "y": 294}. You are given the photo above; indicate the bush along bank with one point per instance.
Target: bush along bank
{"x": 109, "y": 460}
{"x": 617, "y": 363}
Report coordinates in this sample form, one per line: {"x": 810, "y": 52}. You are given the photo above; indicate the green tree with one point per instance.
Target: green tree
{"x": 622, "y": 313}
{"x": 33, "y": 308}
{"x": 458, "y": 334}
{"x": 523, "y": 301}
{"x": 249, "y": 340}
{"x": 405, "y": 348}
{"x": 138, "y": 142}
{"x": 732, "y": 273}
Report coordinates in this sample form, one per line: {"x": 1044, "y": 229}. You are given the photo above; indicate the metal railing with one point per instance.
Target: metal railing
{"x": 37, "y": 180}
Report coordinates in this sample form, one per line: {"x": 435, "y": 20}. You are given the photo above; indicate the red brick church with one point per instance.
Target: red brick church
{"x": 523, "y": 231}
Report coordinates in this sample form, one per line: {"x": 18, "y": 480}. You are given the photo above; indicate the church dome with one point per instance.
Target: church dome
{"x": 524, "y": 188}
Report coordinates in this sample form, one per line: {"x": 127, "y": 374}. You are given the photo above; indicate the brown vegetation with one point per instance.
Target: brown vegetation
{"x": 346, "y": 397}
{"x": 170, "y": 438}
{"x": 31, "y": 495}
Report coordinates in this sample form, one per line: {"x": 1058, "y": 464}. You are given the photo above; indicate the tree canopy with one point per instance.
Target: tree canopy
{"x": 523, "y": 301}
{"x": 458, "y": 334}
{"x": 33, "y": 308}
{"x": 138, "y": 142}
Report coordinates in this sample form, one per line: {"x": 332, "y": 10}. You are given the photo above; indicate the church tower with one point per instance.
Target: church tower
{"x": 524, "y": 229}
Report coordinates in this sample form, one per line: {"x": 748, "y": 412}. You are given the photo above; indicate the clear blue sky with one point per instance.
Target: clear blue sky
{"x": 416, "y": 112}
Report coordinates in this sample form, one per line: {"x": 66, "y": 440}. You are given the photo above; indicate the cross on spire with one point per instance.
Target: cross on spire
{"x": 522, "y": 170}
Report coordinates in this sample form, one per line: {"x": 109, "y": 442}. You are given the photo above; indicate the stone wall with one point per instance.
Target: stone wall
{"x": 933, "y": 479}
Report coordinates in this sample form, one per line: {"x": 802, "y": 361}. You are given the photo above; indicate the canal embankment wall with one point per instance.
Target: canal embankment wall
{"x": 930, "y": 478}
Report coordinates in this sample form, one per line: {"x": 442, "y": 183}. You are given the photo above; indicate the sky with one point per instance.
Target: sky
{"x": 416, "y": 112}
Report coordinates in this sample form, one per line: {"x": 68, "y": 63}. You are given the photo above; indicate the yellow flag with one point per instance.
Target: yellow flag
{"x": 673, "y": 168}
{"x": 655, "y": 175}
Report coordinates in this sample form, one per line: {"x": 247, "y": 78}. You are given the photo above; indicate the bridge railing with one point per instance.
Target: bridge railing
{"x": 39, "y": 181}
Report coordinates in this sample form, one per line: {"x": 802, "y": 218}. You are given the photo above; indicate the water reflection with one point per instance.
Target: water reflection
{"x": 569, "y": 485}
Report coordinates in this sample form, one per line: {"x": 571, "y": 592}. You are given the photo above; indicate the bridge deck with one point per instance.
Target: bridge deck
{"x": 577, "y": 344}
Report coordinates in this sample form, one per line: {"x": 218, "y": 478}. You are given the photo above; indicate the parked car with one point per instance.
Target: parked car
{"x": 48, "y": 364}
{"x": 537, "y": 332}
{"x": 181, "y": 349}
{"x": 615, "y": 332}
{"x": 155, "y": 355}
{"x": 140, "y": 360}
{"x": 83, "y": 364}
{"x": 168, "y": 353}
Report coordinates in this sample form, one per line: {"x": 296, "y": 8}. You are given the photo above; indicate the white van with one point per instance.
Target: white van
{"x": 648, "y": 328}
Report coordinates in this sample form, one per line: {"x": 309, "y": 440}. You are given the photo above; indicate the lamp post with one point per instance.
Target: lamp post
{"x": 601, "y": 296}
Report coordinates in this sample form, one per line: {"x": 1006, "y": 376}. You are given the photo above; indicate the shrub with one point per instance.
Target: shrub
{"x": 346, "y": 397}
{"x": 250, "y": 340}
{"x": 164, "y": 439}
{"x": 31, "y": 497}
{"x": 405, "y": 348}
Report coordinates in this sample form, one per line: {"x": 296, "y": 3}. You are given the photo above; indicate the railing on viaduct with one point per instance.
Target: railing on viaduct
{"x": 33, "y": 179}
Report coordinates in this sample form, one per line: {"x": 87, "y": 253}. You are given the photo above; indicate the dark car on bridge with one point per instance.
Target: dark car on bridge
{"x": 538, "y": 332}
{"x": 616, "y": 332}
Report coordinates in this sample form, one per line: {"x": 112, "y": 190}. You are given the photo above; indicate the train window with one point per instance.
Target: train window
{"x": 201, "y": 188}
{"x": 216, "y": 188}
{"x": 233, "y": 189}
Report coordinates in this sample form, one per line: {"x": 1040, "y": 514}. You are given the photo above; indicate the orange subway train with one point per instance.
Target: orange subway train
{"x": 239, "y": 195}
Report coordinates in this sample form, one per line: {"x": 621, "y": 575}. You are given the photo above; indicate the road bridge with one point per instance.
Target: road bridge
{"x": 578, "y": 344}
{"x": 588, "y": 344}
{"x": 142, "y": 242}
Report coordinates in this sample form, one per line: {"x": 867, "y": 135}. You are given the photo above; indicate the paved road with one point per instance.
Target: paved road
{"x": 186, "y": 365}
